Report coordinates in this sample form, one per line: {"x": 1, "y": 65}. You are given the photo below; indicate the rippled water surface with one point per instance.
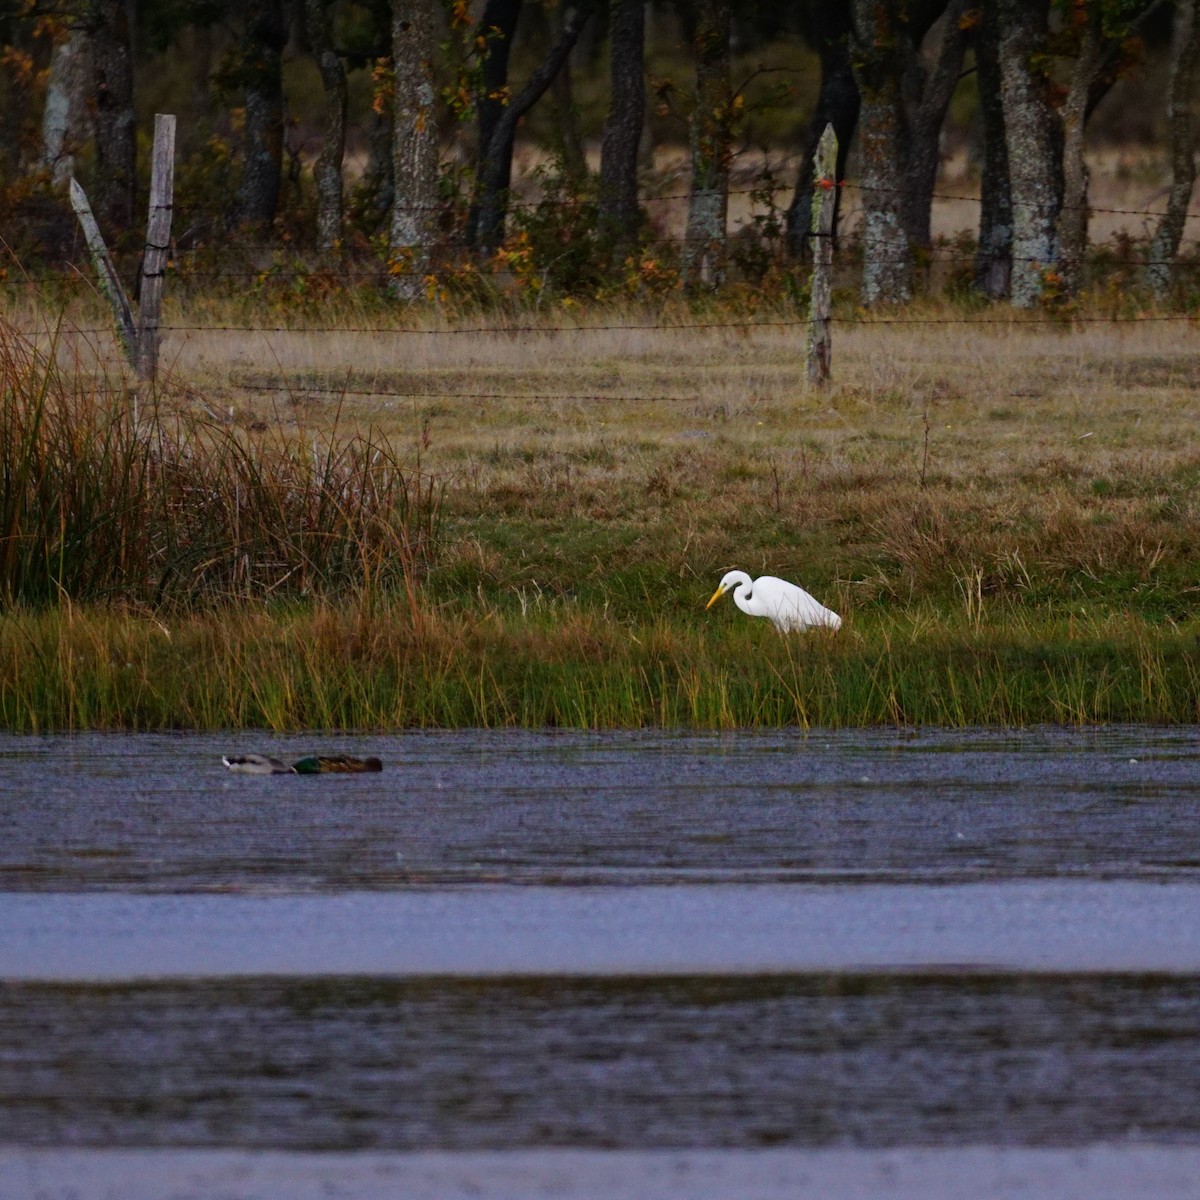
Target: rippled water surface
{"x": 160, "y": 812}
{"x": 838, "y": 947}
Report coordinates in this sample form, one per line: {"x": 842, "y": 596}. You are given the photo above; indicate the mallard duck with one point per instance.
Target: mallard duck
{"x": 313, "y": 764}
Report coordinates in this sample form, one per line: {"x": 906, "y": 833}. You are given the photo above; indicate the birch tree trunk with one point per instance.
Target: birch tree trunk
{"x": 114, "y": 187}
{"x": 327, "y": 170}
{"x": 837, "y": 105}
{"x": 1033, "y": 139}
{"x": 626, "y": 114}
{"x": 415, "y": 146}
{"x": 993, "y": 255}
{"x": 711, "y": 131}
{"x": 880, "y": 44}
{"x": 1181, "y": 126}
{"x": 65, "y": 119}
{"x": 262, "y": 136}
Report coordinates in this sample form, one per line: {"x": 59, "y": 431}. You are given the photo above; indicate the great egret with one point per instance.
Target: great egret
{"x": 314, "y": 764}
{"x": 784, "y": 604}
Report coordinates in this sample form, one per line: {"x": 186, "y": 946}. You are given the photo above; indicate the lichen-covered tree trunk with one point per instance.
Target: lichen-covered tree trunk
{"x": 114, "y": 187}
{"x": 415, "y": 146}
{"x": 65, "y": 119}
{"x": 1033, "y": 138}
{"x": 623, "y": 127}
{"x": 262, "y": 135}
{"x": 711, "y": 130}
{"x": 993, "y": 255}
{"x": 837, "y": 105}
{"x": 936, "y": 91}
{"x": 327, "y": 170}
{"x": 496, "y": 30}
{"x": 1181, "y": 126}
{"x": 880, "y": 45}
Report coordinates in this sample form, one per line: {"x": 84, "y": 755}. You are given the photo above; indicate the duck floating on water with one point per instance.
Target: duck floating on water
{"x": 312, "y": 764}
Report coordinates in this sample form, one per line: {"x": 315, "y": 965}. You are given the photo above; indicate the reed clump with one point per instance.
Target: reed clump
{"x": 108, "y": 495}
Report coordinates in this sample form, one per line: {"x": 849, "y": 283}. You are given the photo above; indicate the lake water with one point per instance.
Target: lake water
{"x": 513, "y": 964}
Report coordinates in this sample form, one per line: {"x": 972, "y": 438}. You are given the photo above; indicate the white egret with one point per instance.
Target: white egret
{"x": 784, "y": 604}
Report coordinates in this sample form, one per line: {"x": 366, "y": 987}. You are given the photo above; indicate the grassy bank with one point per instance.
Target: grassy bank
{"x": 390, "y": 667}
{"x": 338, "y": 529}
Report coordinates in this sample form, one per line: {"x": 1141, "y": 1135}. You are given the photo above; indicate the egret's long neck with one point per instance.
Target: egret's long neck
{"x": 741, "y": 597}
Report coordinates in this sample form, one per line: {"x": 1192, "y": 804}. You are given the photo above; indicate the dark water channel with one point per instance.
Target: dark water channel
{"x": 160, "y": 812}
{"x": 1046, "y": 864}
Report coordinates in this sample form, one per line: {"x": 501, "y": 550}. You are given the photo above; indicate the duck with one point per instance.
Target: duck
{"x": 312, "y": 764}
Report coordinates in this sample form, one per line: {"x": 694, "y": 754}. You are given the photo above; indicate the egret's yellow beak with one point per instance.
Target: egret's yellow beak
{"x": 715, "y": 597}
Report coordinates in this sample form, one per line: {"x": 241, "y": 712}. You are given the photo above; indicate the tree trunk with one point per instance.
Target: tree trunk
{"x": 415, "y": 146}
{"x": 932, "y": 97}
{"x": 327, "y": 170}
{"x": 492, "y": 194}
{"x": 993, "y": 256}
{"x": 566, "y": 120}
{"x": 1181, "y": 124}
{"x": 882, "y": 54}
{"x": 837, "y": 105}
{"x": 114, "y": 188}
{"x": 379, "y": 181}
{"x": 65, "y": 117}
{"x": 496, "y": 28}
{"x": 262, "y": 137}
{"x": 1033, "y": 138}
{"x": 623, "y": 128}
{"x": 711, "y": 132}
{"x": 1073, "y": 218}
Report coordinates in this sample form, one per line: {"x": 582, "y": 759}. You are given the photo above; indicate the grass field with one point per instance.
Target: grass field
{"x": 1005, "y": 515}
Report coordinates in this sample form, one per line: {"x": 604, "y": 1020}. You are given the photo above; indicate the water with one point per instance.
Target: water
{"x": 871, "y": 963}
{"x": 161, "y": 813}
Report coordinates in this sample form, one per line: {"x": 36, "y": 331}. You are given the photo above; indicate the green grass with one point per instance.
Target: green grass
{"x": 389, "y": 665}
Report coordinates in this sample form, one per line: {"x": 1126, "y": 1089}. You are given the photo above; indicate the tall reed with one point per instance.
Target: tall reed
{"x": 101, "y": 501}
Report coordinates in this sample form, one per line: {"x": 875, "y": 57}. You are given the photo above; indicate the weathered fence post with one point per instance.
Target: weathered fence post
{"x": 140, "y": 341}
{"x": 820, "y": 346}
{"x": 158, "y": 244}
{"x": 110, "y": 281}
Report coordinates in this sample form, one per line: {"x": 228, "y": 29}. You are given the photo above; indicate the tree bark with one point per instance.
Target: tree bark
{"x": 496, "y": 29}
{"x": 882, "y": 53}
{"x": 493, "y": 196}
{"x": 993, "y": 255}
{"x": 115, "y": 185}
{"x": 65, "y": 118}
{"x": 566, "y": 119}
{"x": 1073, "y": 217}
{"x": 415, "y": 146}
{"x": 1033, "y": 139}
{"x": 932, "y": 96}
{"x": 711, "y": 133}
{"x": 837, "y": 105}
{"x": 262, "y": 138}
{"x": 623, "y": 129}
{"x": 327, "y": 170}
{"x": 1181, "y": 126}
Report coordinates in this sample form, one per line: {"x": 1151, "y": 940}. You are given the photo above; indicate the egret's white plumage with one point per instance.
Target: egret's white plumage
{"x": 784, "y": 604}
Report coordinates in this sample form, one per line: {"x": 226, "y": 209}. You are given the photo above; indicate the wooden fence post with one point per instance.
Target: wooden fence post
{"x": 820, "y": 346}
{"x": 140, "y": 341}
{"x": 158, "y": 244}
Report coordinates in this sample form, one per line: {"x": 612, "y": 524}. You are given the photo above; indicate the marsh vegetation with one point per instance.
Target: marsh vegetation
{"x": 324, "y": 528}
